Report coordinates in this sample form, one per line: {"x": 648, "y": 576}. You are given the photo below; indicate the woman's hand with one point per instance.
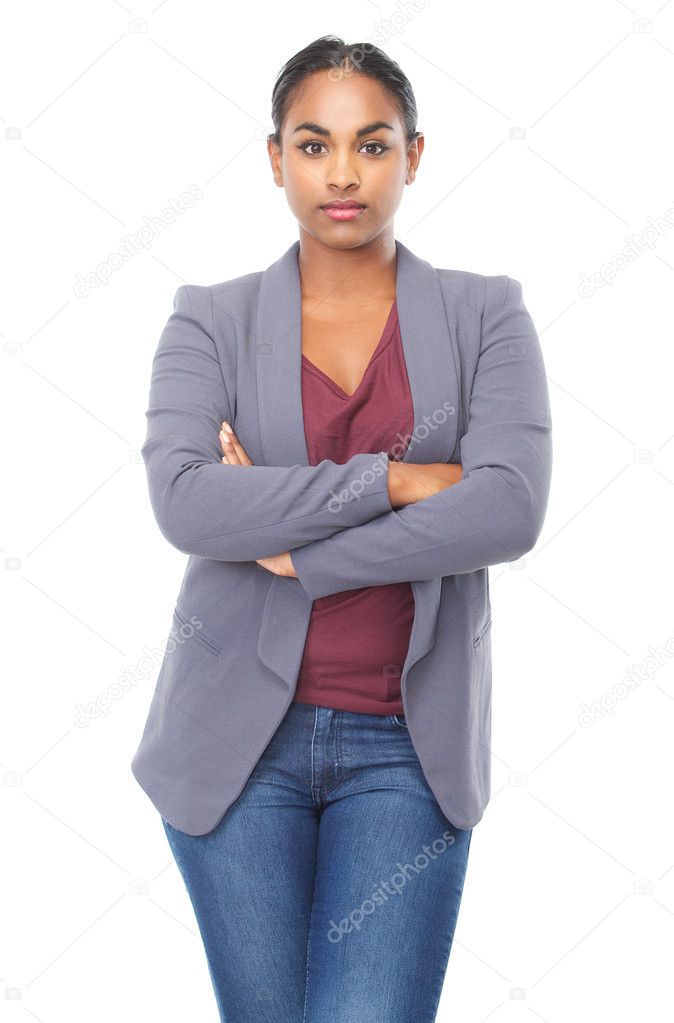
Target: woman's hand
{"x": 410, "y": 482}
{"x": 234, "y": 453}
{"x": 279, "y": 564}
{"x": 233, "y": 450}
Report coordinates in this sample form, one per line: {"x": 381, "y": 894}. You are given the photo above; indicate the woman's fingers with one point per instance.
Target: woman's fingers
{"x": 230, "y": 456}
{"x": 233, "y": 451}
{"x": 227, "y": 448}
{"x": 279, "y": 564}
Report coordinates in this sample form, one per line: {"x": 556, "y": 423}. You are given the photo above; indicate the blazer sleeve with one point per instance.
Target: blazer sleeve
{"x": 235, "y": 512}
{"x": 496, "y": 511}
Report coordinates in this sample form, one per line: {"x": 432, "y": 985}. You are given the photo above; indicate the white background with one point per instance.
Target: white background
{"x": 547, "y": 147}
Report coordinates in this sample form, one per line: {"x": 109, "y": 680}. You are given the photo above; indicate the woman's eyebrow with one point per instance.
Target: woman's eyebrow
{"x": 319, "y": 130}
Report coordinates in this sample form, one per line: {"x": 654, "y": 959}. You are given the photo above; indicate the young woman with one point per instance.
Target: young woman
{"x": 342, "y": 443}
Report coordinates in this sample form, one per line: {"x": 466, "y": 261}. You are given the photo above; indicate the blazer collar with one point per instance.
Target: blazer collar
{"x": 431, "y": 358}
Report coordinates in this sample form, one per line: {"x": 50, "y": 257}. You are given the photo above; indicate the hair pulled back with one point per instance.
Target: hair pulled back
{"x": 332, "y": 54}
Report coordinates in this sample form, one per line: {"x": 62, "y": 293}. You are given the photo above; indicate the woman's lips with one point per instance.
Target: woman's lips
{"x": 343, "y": 212}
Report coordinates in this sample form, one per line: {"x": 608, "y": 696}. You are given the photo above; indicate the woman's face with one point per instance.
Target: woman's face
{"x": 343, "y": 138}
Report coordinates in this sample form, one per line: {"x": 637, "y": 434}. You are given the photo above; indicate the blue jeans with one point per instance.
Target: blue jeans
{"x": 329, "y": 891}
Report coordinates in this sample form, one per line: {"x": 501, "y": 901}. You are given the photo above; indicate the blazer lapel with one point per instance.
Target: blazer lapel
{"x": 431, "y": 357}
{"x": 433, "y": 369}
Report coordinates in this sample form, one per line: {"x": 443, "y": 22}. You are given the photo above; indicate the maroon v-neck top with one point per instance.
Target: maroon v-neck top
{"x": 357, "y": 640}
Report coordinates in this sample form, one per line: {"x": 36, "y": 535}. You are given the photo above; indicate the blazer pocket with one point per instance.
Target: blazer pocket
{"x": 482, "y": 629}
{"x": 190, "y": 630}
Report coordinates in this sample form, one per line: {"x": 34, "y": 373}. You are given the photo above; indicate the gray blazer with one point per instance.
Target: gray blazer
{"x": 232, "y": 351}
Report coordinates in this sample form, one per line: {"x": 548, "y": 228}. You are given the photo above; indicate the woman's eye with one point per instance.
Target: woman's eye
{"x": 305, "y": 147}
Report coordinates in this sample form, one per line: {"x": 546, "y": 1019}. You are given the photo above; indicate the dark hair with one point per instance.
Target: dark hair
{"x": 330, "y": 52}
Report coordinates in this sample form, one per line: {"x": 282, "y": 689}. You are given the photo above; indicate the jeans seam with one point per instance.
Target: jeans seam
{"x": 311, "y": 923}
{"x": 315, "y": 800}
{"x": 338, "y": 749}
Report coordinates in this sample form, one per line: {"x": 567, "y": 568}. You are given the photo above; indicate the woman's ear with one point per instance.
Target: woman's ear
{"x": 414, "y": 152}
{"x": 275, "y": 160}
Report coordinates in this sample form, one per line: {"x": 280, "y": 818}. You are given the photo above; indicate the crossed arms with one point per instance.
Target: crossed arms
{"x": 245, "y": 512}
